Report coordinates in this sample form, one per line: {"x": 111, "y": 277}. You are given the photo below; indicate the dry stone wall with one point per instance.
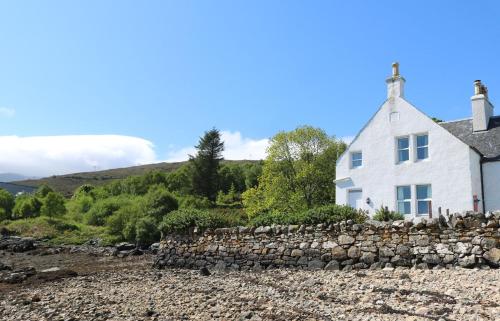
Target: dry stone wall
{"x": 467, "y": 240}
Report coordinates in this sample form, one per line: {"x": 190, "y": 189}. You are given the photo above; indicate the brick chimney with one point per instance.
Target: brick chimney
{"x": 482, "y": 109}
{"x": 395, "y": 83}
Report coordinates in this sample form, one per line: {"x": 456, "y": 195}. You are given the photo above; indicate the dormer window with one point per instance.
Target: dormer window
{"x": 356, "y": 159}
{"x": 403, "y": 149}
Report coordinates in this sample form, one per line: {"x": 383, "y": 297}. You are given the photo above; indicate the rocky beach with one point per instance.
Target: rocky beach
{"x": 96, "y": 285}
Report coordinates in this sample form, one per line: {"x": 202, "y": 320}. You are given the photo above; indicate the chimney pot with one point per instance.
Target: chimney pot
{"x": 395, "y": 83}
{"x": 482, "y": 109}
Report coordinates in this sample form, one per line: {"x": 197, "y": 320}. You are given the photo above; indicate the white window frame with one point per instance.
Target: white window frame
{"x": 405, "y": 200}
{"x": 398, "y": 160}
{"x": 421, "y": 147}
{"x": 360, "y": 160}
{"x": 427, "y": 199}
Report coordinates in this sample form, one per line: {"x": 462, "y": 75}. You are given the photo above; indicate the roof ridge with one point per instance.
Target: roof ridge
{"x": 456, "y": 120}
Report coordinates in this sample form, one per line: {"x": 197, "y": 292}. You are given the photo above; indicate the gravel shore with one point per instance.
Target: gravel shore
{"x": 140, "y": 293}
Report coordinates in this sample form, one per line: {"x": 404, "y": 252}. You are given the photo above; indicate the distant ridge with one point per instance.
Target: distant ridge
{"x": 11, "y": 177}
{"x": 67, "y": 184}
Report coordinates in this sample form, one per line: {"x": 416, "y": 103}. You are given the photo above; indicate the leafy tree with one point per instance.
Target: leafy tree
{"x": 206, "y": 164}
{"x": 26, "y": 206}
{"x": 193, "y": 201}
{"x": 180, "y": 180}
{"x": 104, "y": 208}
{"x": 252, "y": 174}
{"x": 160, "y": 202}
{"x": 7, "y": 203}
{"x": 229, "y": 199}
{"x": 53, "y": 205}
{"x": 298, "y": 173}
{"x": 43, "y": 190}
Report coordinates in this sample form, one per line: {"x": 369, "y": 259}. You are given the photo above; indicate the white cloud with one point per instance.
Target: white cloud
{"x": 55, "y": 155}
{"x": 7, "y": 112}
{"x": 236, "y": 148}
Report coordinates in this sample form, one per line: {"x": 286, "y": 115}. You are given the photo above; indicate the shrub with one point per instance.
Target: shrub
{"x": 77, "y": 207}
{"x": 326, "y": 214}
{"x": 184, "y": 219}
{"x": 26, "y": 206}
{"x": 383, "y": 214}
{"x": 103, "y": 209}
{"x": 196, "y": 202}
{"x": 276, "y": 218}
{"x": 146, "y": 231}
{"x": 121, "y": 223}
{"x": 7, "y": 203}
{"x": 333, "y": 213}
{"x": 43, "y": 190}
{"x": 53, "y": 205}
{"x": 160, "y": 202}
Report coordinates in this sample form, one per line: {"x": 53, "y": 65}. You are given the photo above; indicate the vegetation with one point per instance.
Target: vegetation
{"x": 383, "y": 214}
{"x": 326, "y": 214}
{"x": 205, "y": 174}
{"x": 294, "y": 185}
{"x": 298, "y": 173}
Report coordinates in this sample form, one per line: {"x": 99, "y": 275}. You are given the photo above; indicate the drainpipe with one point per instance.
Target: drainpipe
{"x": 482, "y": 183}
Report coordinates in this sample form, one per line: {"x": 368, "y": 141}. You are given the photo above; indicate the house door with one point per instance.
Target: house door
{"x": 355, "y": 198}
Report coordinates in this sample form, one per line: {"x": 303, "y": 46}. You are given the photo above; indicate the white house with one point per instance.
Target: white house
{"x": 403, "y": 160}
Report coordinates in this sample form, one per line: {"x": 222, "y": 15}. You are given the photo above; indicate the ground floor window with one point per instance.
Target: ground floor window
{"x": 404, "y": 199}
{"x": 424, "y": 199}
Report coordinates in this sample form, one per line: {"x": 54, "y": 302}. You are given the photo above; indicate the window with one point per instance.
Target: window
{"x": 422, "y": 147}
{"x": 403, "y": 149}
{"x": 356, "y": 159}
{"x": 404, "y": 199}
{"x": 424, "y": 199}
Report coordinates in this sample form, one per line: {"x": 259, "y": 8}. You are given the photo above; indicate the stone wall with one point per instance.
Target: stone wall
{"x": 467, "y": 240}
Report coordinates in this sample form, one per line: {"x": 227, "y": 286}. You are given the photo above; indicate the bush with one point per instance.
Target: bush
{"x": 196, "y": 202}
{"x": 122, "y": 222}
{"x": 383, "y": 214}
{"x": 53, "y": 205}
{"x": 26, "y": 206}
{"x": 103, "y": 209}
{"x": 160, "y": 202}
{"x": 146, "y": 231}
{"x": 326, "y": 214}
{"x": 277, "y": 218}
{"x": 333, "y": 213}
{"x": 7, "y": 203}
{"x": 184, "y": 219}
{"x": 78, "y": 206}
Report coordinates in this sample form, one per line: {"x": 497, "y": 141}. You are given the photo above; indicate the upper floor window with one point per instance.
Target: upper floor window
{"x": 422, "y": 146}
{"x": 356, "y": 159}
{"x": 403, "y": 149}
{"x": 424, "y": 199}
{"x": 404, "y": 199}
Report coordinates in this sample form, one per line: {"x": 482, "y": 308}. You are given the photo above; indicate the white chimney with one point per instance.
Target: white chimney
{"x": 482, "y": 109}
{"x": 395, "y": 83}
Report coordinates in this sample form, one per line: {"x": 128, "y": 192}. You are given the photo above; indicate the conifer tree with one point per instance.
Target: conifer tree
{"x": 206, "y": 164}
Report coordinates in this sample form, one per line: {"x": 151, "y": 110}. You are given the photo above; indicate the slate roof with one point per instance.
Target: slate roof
{"x": 486, "y": 142}
{"x": 14, "y": 189}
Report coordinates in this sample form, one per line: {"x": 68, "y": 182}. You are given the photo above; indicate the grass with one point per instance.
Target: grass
{"x": 57, "y": 231}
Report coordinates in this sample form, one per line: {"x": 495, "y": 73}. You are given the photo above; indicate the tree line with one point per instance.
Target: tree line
{"x": 295, "y": 183}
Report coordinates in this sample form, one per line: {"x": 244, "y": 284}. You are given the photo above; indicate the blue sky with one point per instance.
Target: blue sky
{"x": 165, "y": 71}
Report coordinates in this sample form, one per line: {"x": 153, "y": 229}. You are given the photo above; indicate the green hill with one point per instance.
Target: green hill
{"x": 66, "y": 184}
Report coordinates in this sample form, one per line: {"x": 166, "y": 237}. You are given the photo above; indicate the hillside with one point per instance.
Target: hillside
{"x": 66, "y": 184}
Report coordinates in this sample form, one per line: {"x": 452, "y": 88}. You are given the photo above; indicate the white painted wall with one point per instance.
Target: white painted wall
{"x": 449, "y": 167}
{"x": 491, "y": 179}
